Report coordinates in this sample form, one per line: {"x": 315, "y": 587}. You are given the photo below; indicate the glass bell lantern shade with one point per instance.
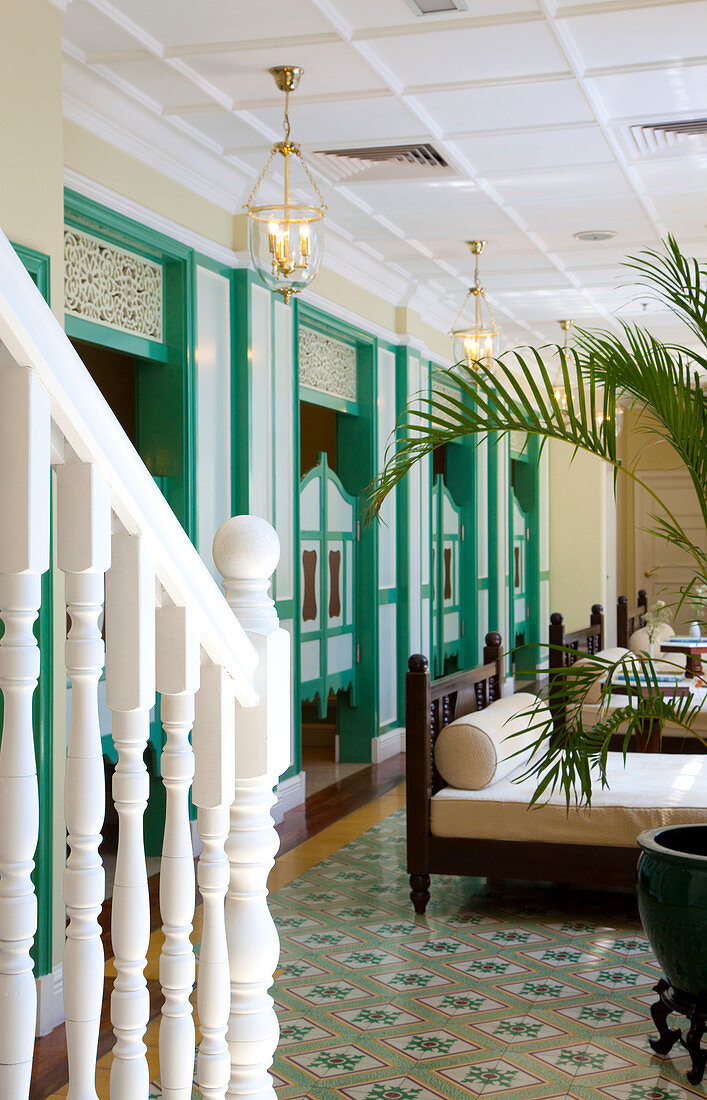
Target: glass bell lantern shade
{"x": 285, "y": 235}
{"x": 475, "y": 342}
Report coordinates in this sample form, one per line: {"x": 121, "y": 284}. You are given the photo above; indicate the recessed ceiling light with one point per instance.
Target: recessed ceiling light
{"x": 595, "y": 235}
{"x": 436, "y": 7}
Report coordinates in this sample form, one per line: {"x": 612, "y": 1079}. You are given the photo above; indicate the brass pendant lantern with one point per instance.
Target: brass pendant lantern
{"x": 559, "y": 387}
{"x": 477, "y": 342}
{"x": 561, "y": 393}
{"x": 285, "y": 237}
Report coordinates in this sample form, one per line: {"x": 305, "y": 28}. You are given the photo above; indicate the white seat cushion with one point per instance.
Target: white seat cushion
{"x": 478, "y": 748}
{"x": 652, "y": 790}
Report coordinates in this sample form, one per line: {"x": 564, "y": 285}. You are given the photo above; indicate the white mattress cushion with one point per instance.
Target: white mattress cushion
{"x": 651, "y": 791}
{"x": 478, "y": 748}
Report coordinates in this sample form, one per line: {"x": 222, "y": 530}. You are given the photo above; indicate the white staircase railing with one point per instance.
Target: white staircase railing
{"x": 167, "y": 629}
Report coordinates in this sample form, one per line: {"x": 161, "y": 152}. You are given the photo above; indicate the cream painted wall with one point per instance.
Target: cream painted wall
{"x": 31, "y": 173}
{"x": 582, "y": 539}
{"x": 103, "y": 163}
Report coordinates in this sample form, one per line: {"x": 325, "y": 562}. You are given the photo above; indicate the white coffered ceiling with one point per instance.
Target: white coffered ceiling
{"x": 531, "y": 102}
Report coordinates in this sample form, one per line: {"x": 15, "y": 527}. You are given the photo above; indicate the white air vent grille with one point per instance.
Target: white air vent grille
{"x": 681, "y": 136}
{"x": 420, "y": 161}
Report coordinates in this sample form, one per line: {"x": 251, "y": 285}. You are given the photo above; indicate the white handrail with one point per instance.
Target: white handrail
{"x": 34, "y": 337}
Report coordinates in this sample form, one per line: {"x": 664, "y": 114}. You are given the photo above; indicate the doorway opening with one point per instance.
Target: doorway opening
{"x": 116, "y": 374}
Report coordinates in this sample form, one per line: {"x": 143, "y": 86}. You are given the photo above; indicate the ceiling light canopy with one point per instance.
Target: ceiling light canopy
{"x": 475, "y": 341}
{"x": 285, "y": 236}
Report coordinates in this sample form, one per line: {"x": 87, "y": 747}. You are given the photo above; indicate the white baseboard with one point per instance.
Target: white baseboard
{"x": 290, "y": 793}
{"x": 388, "y": 744}
{"x": 50, "y": 1001}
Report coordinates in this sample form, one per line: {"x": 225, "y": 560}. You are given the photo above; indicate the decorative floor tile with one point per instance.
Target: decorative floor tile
{"x": 615, "y": 977}
{"x": 411, "y": 978}
{"x": 293, "y": 922}
{"x": 376, "y": 1017}
{"x": 648, "y": 1088}
{"x": 490, "y": 966}
{"x": 461, "y": 1004}
{"x": 357, "y": 913}
{"x": 421, "y": 1045}
{"x": 300, "y": 1029}
{"x": 327, "y": 993}
{"x": 560, "y": 956}
{"x": 335, "y": 1061}
{"x": 512, "y": 937}
{"x": 328, "y": 937}
{"x": 299, "y": 969}
{"x": 581, "y": 1059}
{"x": 625, "y": 945}
{"x": 492, "y": 1076}
{"x": 601, "y": 1014}
{"x": 575, "y": 928}
{"x": 392, "y": 929}
{"x": 364, "y": 960}
{"x": 519, "y": 1029}
{"x": 542, "y": 989}
{"x": 392, "y": 1088}
{"x": 469, "y": 920}
{"x": 439, "y": 948}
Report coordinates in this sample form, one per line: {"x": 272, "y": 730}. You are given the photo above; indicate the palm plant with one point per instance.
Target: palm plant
{"x": 662, "y": 384}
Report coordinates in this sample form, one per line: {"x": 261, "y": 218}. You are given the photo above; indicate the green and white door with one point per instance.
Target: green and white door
{"x": 447, "y": 531}
{"x": 327, "y": 585}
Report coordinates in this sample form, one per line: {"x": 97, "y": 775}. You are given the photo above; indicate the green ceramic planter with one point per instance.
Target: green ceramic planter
{"x": 672, "y": 901}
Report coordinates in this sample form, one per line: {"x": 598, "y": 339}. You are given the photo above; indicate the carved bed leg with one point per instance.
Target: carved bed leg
{"x": 419, "y": 892}
{"x": 660, "y": 1012}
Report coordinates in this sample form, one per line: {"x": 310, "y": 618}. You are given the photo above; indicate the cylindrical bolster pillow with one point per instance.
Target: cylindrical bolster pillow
{"x": 474, "y": 750}
{"x": 639, "y": 642}
{"x": 613, "y": 654}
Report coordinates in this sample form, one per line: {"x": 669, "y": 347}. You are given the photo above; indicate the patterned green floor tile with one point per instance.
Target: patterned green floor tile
{"x": 492, "y": 1077}
{"x": 519, "y": 1029}
{"x": 421, "y": 1046}
{"x": 377, "y": 1017}
{"x": 602, "y": 1014}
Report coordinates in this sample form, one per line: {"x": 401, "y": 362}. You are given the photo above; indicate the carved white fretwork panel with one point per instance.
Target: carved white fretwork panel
{"x": 327, "y": 365}
{"x": 111, "y": 286}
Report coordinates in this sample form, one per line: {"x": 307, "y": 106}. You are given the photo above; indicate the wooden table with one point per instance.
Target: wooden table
{"x": 693, "y": 647}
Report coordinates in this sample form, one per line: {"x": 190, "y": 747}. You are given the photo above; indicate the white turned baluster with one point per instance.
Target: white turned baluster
{"x": 130, "y": 694}
{"x": 246, "y": 552}
{"x": 24, "y": 556}
{"x": 214, "y": 741}
{"x": 83, "y": 552}
{"x": 177, "y": 681}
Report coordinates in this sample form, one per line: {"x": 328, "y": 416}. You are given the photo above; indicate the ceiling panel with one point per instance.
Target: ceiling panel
{"x": 156, "y": 79}
{"x": 221, "y": 126}
{"x": 673, "y": 175}
{"x": 501, "y": 107}
{"x": 656, "y": 95}
{"x": 354, "y": 122}
{"x": 535, "y": 149}
{"x": 175, "y": 22}
{"x": 630, "y": 235}
{"x": 244, "y": 75}
{"x": 549, "y": 185}
{"x": 367, "y": 14}
{"x": 90, "y": 30}
{"x": 406, "y": 196}
{"x": 572, "y": 215}
{"x": 471, "y": 55}
{"x": 656, "y": 33}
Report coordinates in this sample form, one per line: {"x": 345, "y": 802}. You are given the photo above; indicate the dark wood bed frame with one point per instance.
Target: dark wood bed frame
{"x": 429, "y": 706}
{"x": 629, "y": 619}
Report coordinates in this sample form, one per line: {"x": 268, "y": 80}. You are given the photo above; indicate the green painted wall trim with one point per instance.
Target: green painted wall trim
{"x": 37, "y": 264}
{"x": 166, "y": 378}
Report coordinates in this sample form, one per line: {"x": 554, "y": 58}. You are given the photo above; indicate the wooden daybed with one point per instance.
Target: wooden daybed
{"x": 492, "y": 833}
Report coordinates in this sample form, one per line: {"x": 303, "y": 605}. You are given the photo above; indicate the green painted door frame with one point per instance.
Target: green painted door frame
{"x": 526, "y": 490}
{"x": 356, "y": 446}
{"x": 166, "y": 397}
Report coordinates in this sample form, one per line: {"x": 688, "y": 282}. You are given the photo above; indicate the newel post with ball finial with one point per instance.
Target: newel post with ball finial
{"x": 246, "y": 552}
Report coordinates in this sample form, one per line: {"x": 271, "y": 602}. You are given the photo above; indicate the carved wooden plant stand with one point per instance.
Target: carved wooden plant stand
{"x": 672, "y": 1000}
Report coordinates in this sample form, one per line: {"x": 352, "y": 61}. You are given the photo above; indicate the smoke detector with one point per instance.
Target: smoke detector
{"x": 595, "y": 235}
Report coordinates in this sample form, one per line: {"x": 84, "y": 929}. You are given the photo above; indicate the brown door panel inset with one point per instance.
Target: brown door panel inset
{"x": 334, "y": 594}
{"x": 309, "y": 600}
{"x": 447, "y": 573}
